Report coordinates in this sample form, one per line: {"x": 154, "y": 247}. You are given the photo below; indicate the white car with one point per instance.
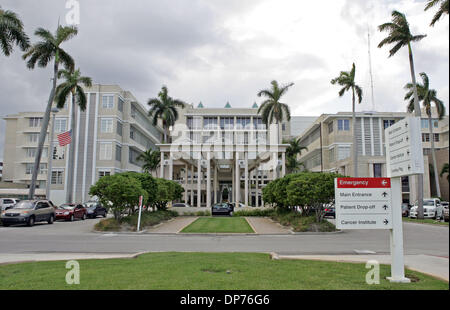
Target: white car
{"x": 432, "y": 209}
{"x": 7, "y": 203}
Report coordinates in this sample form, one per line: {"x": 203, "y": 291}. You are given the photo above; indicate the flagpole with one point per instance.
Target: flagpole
{"x": 50, "y": 156}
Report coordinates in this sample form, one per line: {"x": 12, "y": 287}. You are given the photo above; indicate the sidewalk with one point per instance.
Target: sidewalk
{"x": 39, "y": 257}
{"x": 173, "y": 226}
{"x": 263, "y": 226}
{"x": 435, "y": 266}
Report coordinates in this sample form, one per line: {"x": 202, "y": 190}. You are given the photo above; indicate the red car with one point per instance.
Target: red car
{"x": 70, "y": 212}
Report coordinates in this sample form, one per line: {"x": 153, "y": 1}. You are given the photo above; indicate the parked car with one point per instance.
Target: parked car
{"x": 95, "y": 209}
{"x": 181, "y": 205}
{"x": 7, "y": 203}
{"x": 239, "y": 205}
{"x": 29, "y": 212}
{"x": 432, "y": 208}
{"x": 70, "y": 212}
{"x": 405, "y": 209}
{"x": 330, "y": 211}
{"x": 445, "y": 213}
{"x": 222, "y": 209}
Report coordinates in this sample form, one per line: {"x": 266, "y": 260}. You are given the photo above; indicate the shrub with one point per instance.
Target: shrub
{"x": 257, "y": 212}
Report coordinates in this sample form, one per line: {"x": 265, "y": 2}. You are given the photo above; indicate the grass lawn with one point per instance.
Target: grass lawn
{"x": 425, "y": 221}
{"x": 205, "y": 271}
{"x": 219, "y": 225}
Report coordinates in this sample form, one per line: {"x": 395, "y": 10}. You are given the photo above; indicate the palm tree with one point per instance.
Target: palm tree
{"x": 428, "y": 97}
{"x": 293, "y": 165}
{"x": 151, "y": 160}
{"x": 72, "y": 87}
{"x": 294, "y": 147}
{"x": 400, "y": 35}
{"x": 164, "y": 108}
{"x": 347, "y": 80}
{"x": 43, "y": 53}
{"x": 444, "y": 170}
{"x": 443, "y": 9}
{"x": 12, "y": 32}
{"x": 272, "y": 108}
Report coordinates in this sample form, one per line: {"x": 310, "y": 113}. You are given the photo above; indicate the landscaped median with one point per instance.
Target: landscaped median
{"x": 219, "y": 225}
{"x": 425, "y": 221}
{"x": 206, "y": 271}
{"x": 129, "y": 223}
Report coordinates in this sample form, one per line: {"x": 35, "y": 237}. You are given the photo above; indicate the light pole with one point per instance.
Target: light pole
{"x": 50, "y": 156}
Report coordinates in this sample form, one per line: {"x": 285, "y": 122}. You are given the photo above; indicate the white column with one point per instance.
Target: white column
{"x": 216, "y": 187}
{"x": 199, "y": 183}
{"x": 161, "y": 175}
{"x": 192, "y": 185}
{"x": 283, "y": 164}
{"x": 208, "y": 180}
{"x": 238, "y": 180}
{"x": 233, "y": 185}
{"x": 170, "y": 167}
{"x": 186, "y": 175}
{"x": 246, "y": 179}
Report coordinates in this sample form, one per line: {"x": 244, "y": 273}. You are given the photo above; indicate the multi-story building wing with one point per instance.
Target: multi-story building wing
{"x": 330, "y": 138}
{"x": 223, "y": 150}
{"x": 110, "y": 134}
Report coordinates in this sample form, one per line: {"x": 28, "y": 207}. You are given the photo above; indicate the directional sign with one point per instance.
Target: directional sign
{"x": 404, "y": 154}
{"x": 363, "y": 203}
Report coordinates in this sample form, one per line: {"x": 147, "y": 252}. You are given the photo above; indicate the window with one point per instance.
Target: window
{"x": 60, "y": 125}
{"x": 343, "y": 125}
{"x": 388, "y": 123}
{"x": 33, "y": 137}
{"x": 105, "y": 151}
{"x": 35, "y": 121}
{"x": 119, "y": 128}
{"x": 435, "y": 123}
{"x": 331, "y": 155}
{"x": 58, "y": 152}
{"x": 210, "y": 123}
{"x": 283, "y": 127}
{"x": 436, "y": 137}
{"x": 108, "y": 101}
{"x": 242, "y": 122}
{"x": 226, "y": 122}
{"x": 424, "y": 123}
{"x": 120, "y": 104}
{"x": 106, "y": 125}
{"x": 103, "y": 173}
{"x": 343, "y": 152}
{"x": 118, "y": 153}
{"x": 31, "y": 152}
{"x": 377, "y": 171}
{"x": 258, "y": 124}
{"x": 57, "y": 176}
{"x": 425, "y": 137}
{"x": 330, "y": 127}
{"x": 29, "y": 168}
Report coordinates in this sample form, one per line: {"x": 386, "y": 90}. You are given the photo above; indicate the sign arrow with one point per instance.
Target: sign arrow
{"x": 406, "y": 125}
{"x": 383, "y": 182}
{"x": 409, "y": 167}
{"x": 385, "y": 207}
{"x": 385, "y": 221}
{"x": 407, "y": 152}
{"x": 384, "y": 194}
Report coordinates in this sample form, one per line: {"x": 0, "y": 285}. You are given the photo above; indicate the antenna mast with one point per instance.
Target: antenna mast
{"x": 370, "y": 69}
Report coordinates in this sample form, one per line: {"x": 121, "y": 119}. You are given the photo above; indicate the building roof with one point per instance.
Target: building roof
{"x": 228, "y": 106}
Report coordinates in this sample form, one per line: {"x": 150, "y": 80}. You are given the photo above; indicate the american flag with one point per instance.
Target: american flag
{"x": 65, "y": 138}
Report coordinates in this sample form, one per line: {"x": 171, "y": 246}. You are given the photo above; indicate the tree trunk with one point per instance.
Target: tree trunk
{"x": 71, "y": 158}
{"x": 43, "y": 133}
{"x": 355, "y": 146}
{"x": 417, "y": 113}
{"x": 433, "y": 154}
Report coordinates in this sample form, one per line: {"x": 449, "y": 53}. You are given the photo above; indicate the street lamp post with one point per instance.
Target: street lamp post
{"x": 50, "y": 156}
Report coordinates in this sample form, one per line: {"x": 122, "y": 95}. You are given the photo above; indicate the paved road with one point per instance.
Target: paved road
{"x": 77, "y": 237}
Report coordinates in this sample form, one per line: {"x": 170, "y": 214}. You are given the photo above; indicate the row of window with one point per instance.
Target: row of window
{"x": 228, "y": 137}
{"x": 426, "y": 137}
{"x": 197, "y": 123}
{"x": 344, "y": 124}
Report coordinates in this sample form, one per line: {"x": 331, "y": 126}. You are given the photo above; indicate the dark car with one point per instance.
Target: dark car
{"x": 330, "y": 211}
{"x": 70, "y": 212}
{"x": 95, "y": 209}
{"x": 222, "y": 209}
{"x": 29, "y": 212}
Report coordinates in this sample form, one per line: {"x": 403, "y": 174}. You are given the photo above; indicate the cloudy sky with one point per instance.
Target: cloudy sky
{"x": 216, "y": 51}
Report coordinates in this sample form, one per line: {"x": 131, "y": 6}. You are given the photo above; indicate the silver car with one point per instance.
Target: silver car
{"x": 7, "y": 203}
{"x": 29, "y": 212}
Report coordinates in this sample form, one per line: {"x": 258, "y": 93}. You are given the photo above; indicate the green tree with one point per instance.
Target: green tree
{"x": 444, "y": 170}
{"x": 347, "y": 80}
{"x": 120, "y": 192}
{"x": 42, "y": 53}
{"x": 151, "y": 160}
{"x": 294, "y": 147}
{"x": 400, "y": 35}
{"x": 72, "y": 87}
{"x": 293, "y": 165}
{"x": 12, "y": 32}
{"x": 148, "y": 183}
{"x": 165, "y": 108}
{"x": 272, "y": 109}
{"x": 443, "y": 9}
{"x": 428, "y": 97}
